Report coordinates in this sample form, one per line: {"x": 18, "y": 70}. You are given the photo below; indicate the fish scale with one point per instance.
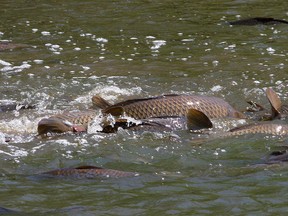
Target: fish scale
{"x": 83, "y": 117}
{"x": 89, "y": 172}
{"x": 260, "y": 128}
{"x": 175, "y": 105}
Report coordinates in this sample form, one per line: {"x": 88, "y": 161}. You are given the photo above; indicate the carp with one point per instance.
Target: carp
{"x": 268, "y": 128}
{"x": 258, "y": 21}
{"x": 260, "y": 128}
{"x": 168, "y": 105}
{"x": 65, "y": 122}
{"x": 88, "y": 172}
{"x": 15, "y": 106}
{"x": 6, "y": 45}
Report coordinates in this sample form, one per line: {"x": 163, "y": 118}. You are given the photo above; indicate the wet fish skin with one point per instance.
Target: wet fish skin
{"x": 88, "y": 172}
{"x": 260, "y": 128}
{"x": 65, "y": 122}
{"x": 258, "y": 21}
{"x": 173, "y": 105}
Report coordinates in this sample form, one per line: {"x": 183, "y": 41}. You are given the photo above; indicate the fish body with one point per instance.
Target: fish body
{"x": 15, "y": 106}
{"x": 65, "y": 122}
{"x": 6, "y": 45}
{"x": 88, "y": 172}
{"x": 260, "y": 128}
{"x": 171, "y": 105}
{"x": 258, "y": 21}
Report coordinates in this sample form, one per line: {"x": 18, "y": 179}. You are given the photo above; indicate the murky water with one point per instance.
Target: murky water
{"x": 132, "y": 49}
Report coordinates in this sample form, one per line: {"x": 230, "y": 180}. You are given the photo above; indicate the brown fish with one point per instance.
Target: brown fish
{"x": 260, "y": 128}
{"x": 253, "y": 128}
{"x": 88, "y": 172}
{"x": 6, "y": 45}
{"x": 258, "y": 21}
{"x": 65, "y": 122}
{"x": 194, "y": 120}
{"x": 168, "y": 105}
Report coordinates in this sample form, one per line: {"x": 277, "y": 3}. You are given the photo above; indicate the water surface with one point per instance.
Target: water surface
{"x": 132, "y": 49}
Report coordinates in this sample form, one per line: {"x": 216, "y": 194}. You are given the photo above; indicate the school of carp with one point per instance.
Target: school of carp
{"x": 165, "y": 113}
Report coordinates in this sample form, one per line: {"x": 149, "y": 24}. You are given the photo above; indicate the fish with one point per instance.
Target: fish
{"x": 8, "y": 211}
{"x": 194, "y": 120}
{"x": 6, "y": 45}
{"x": 88, "y": 172}
{"x": 278, "y": 157}
{"x": 15, "y": 106}
{"x": 258, "y": 21}
{"x": 66, "y": 122}
{"x": 168, "y": 105}
{"x": 268, "y": 128}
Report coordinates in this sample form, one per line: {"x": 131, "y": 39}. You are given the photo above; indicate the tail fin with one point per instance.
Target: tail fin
{"x": 99, "y": 102}
{"x": 197, "y": 120}
{"x": 275, "y": 103}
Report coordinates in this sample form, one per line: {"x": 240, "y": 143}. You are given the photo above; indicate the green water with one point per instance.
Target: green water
{"x": 131, "y": 49}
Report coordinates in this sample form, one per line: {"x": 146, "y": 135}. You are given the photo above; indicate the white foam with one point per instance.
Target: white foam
{"x": 4, "y": 63}
{"x": 10, "y": 68}
{"x": 216, "y": 88}
{"x": 157, "y": 44}
{"x": 46, "y": 33}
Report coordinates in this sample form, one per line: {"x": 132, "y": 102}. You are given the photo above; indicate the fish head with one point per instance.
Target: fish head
{"x": 54, "y": 125}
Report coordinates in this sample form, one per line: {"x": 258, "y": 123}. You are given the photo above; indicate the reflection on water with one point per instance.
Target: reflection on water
{"x": 129, "y": 49}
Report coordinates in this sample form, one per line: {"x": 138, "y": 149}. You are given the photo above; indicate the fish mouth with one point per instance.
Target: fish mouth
{"x": 54, "y": 125}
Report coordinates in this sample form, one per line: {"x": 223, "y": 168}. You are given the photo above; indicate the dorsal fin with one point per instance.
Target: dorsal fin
{"x": 88, "y": 167}
{"x": 99, "y": 102}
{"x": 274, "y": 101}
{"x": 197, "y": 120}
{"x": 115, "y": 111}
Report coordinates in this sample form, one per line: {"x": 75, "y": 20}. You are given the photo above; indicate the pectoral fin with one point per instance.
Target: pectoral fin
{"x": 197, "y": 120}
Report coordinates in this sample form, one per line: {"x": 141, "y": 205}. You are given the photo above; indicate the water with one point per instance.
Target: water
{"x": 131, "y": 49}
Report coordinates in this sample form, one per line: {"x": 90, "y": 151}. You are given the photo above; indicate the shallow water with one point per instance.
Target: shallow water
{"x": 132, "y": 49}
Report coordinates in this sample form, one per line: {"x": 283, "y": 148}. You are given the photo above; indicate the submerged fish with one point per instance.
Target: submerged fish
{"x": 6, "y": 45}
{"x": 88, "y": 172}
{"x": 8, "y": 211}
{"x": 260, "y": 128}
{"x": 258, "y": 21}
{"x": 15, "y": 106}
{"x": 168, "y": 105}
{"x": 277, "y": 157}
{"x": 65, "y": 122}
